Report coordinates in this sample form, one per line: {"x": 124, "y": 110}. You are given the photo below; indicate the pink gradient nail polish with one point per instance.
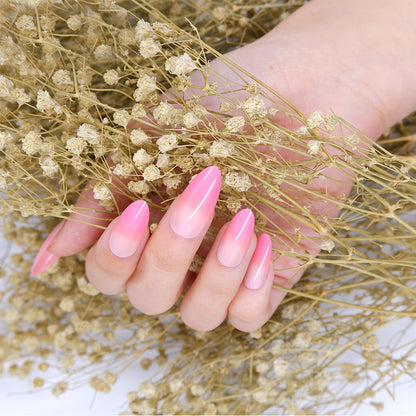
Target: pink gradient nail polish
{"x": 236, "y": 239}
{"x": 196, "y": 204}
{"x": 45, "y": 259}
{"x": 129, "y": 230}
{"x": 259, "y": 265}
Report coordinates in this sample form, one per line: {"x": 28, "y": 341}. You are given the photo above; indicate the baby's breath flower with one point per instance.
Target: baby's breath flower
{"x": 302, "y": 131}
{"x": 151, "y": 173}
{"x": 314, "y": 146}
{"x": 138, "y": 111}
{"x": 46, "y": 104}
{"x": 197, "y": 390}
{"x": 302, "y": 340}
{"x": 167, "y": 142}
{"x": 166, "y": 114}
{"x": 143, "y": 30}
{"x": 163, "y": 161}
{"x": 172, "y": 182}
{"x": 123, "y": 169}
{"x": 327, "y": 245}
{"x": 233, "y": 204}
{"x": 63, "y": 80}
{"x": 49, "y": 166}
{"x": 180, "y": 65}
{"x": 89, "y": 133}
{"x": 121, "y": 117}
{"x": 175, "y": 385}
{"x": 146, "y": 84}
{"x": 139, "y": 137}
{"x": 190, "y": 120}
{"x": 26, "y": 24}
{"x": 352, "y": 141}
{"x": 32, "y": 143}
{"x": 238, "y": 180}
{"x": 111, "y": 77}
{"x": 141, "y": 159}
{"x": 20, "y": 96}
{"x": 220, "y": 13}
{"x": 280, "y": 366}
{"x": 235, "y": 124}
{"x": 148, "y": 389}
{"x": 315, "y": 119}
{"x": 221, "y": 149}
{"x": 149, "y": 48}
{"x": 75, "y": 145}
{"x": 139, "y": 187}
{"x": 101, "y": 192}
{"x": 86, "y": 287}
{"x": 103, "y": 53}
{"x": 370, "y": 344}
{"x": 254, "y": 107}
{"x": 74, "y": 23}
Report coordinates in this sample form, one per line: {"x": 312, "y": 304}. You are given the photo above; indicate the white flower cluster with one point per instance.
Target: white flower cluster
{"x": 238, "y": 180}
{"x": 180, "y": 65}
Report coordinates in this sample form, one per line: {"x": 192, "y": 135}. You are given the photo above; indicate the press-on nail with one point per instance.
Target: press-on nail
{"x": 259, "y": 265}
{"x": 45, "y": 259}
{"x": 236, "y": 239}
{"x": 194, "y": 207}
{"x": 129, "y": 230}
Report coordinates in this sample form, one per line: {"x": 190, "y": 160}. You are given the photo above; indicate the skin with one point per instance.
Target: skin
{"x": 355, "y": 58}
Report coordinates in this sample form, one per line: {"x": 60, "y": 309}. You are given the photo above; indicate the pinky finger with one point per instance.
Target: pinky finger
{"x": 251, "y": 306}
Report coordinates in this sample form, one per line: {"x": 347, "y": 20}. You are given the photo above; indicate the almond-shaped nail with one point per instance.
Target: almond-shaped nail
{"x": 193, "y": 209}
{"x": 259, "y": 265}
{"x": 129, "y": 230}
{"x": 45, "y": 259}
{"x": 236, "y": 239}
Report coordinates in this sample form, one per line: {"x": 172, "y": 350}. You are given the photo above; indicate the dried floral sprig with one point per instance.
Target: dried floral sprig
{"x": 73, "y": 75}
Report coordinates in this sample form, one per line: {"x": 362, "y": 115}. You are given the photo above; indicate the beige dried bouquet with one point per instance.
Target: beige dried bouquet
{"x": 73, "y": 74}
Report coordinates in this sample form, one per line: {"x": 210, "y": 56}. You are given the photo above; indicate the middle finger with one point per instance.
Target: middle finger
{"x": 158, "y": 279}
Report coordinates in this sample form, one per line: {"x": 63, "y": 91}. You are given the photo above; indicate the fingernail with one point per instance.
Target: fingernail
{"x": 259, "y": 266}
{"x": 44, "y": 259}
{"x": 236, "y": 239}
{"x": 196, "y": 204}
{"x": 129, "y": 230}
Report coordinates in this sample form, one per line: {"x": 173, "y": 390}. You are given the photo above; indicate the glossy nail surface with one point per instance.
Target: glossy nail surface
{"x": 45, "y": 259}
{"x": 129, "y": 230}
{"x": 236, "y": 239}
{"x": 259, "y": 265}
{"x": 193, "y": 209}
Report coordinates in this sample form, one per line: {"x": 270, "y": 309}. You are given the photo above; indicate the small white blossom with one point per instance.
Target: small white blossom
{"x": 49, "y": 166}
{"x": 315, "y": 119}
{"x": 254, "y": 107}
{"x": 235, "y": 124}
{"x": 190, "y": 120}
{"x": 143, "y": 30}
{"x": 20, "y": 96}
{"x": 75, "y": 145}
{"x": 151, "y": 173}
{"x": 138, "y": 137}
{"x": 101, "y": 192}
{"x": 141, "y": 159}
{"x": 314, "y": 147}
{"x": 103, "y": 53}
{"x": 238, "y": 180}
{"x": 138, "y": 111}
{"x": 32, "y": 143}
{"x": 89, "y": 133}
{"x": 149, "y": 48}
{"x": 327, "y": 245}
{"x": 280, "y": 367}
{"x": 111, "y": 77}
{"x": 167, "y": 142}
{"x": 180, "y": 65}
{"x": 74, "y": 23}
{"x": 221, "y": 149}
{"x": 121, "y": 117}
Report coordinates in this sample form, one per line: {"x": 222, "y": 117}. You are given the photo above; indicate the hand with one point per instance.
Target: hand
{"x": 330, "y": 67}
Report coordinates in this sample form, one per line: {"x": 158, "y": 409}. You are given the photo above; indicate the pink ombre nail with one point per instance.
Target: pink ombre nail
{"x": 193, "y": 209}
{"x": 45, "y": 259}
{"x": 129, "y": 230}
{"x": 236, "y": 239}
{"x": 260, "y": 262}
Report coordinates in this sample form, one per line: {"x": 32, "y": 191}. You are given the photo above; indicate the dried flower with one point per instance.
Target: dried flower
{"x": 180, "y": 65}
